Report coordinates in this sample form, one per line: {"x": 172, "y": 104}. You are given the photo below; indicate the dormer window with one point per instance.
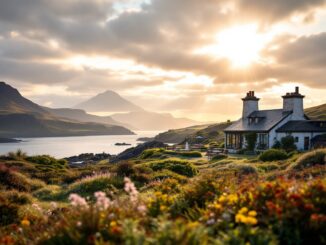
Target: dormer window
{"x": 256, "y": 120}
{"x": 250, "y": 120}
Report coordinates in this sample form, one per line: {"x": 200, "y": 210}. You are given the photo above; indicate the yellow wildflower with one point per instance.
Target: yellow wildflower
{"x": 113, "y": 223}
{"x": 243, "y": 210}
{"x": 25, "y": 222}
{"x": 232, "y": 199}
{"x": 222, "y": 198}
{"x": 252, "y": 213}
{"x": 218, "y": 206}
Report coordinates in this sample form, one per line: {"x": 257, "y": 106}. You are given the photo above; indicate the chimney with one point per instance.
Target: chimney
{"x": 293, "y": 102}
{"x": 250, "y": 104}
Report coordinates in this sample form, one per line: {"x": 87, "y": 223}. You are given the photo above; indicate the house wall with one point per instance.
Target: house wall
{"x": 301, "y": 136}
{"x": 249, "y": 106}
{"x": 296, "y": 106}
{"x": 273, "y": 135}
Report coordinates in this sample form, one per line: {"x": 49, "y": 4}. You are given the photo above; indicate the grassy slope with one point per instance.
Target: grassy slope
{"x": 170, "y": 201}
{"x": 317, "y": 112}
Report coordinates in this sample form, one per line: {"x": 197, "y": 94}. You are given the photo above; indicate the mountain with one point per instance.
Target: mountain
{"x": 316, "y": 112}
{"x": 82, "y": 116}
{"x": 12, "y": 101}
{"x": 108, "y": 101}
{"x": 151, "y": 121}
{"x": 20, "y": 117}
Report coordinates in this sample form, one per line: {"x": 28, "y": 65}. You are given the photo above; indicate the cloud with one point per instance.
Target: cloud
{"x": 37, "y": 36}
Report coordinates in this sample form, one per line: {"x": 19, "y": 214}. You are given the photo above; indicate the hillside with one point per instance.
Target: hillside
{"x": 151, "y": 121}
{"x": 205, "y": 132}
{"x": 163, "y": 197}
{"x": 109, "y": 101}
{"x": 82, "y": 116}
{"x": 20, "y": 117}
{"x": 317, "y": 112}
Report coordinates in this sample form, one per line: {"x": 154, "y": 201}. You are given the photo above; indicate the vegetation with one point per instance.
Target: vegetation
{"x": 273, "y": 155}
{"x": 163, "y": 198}
{"x": 251, "y": 139}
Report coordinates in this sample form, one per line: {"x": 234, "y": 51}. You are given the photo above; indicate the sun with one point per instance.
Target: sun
{"x": 241, "y": 45}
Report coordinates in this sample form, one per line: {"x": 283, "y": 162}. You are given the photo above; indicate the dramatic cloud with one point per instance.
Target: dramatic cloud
{"x": 149, "y": 50}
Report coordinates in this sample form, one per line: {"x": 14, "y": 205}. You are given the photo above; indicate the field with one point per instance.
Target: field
{"x": 163, "y": 197}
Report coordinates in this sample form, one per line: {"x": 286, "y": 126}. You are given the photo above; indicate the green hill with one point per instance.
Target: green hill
{"x": 316, "y": 112}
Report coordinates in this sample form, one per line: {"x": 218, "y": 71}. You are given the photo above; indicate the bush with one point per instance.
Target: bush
{"x": 125, "y": 169}
{"x": 8, "y": 212}
{"x": 273, "y": 155}
{"x": 219, "y": 156}
{"x": 317, "y": 157}
{"x": 48, "y": 161}
{"x": 151, "y": 153}
{"x": 288, "y": 143}
{"x": 100, "y": 182}
{"x": 190, "y": 154}
{"x": 178, "y": 166}
{"x": 251, "y": 139}
{"x": 18, "y": 155}
{"x": 20, "y": 198}
{"x": 10, "y": 179}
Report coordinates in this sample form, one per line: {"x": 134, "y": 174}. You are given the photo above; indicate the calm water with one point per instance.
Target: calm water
{"x": 69, "y": 146}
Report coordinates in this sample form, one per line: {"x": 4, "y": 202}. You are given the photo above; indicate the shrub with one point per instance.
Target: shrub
{"x": 150, "y": 153}
{"x": 13, "y": 180}
{"x": 190, "y": 154}
{"x": 48, "y": 193}
{"x": 166, "y": 174}
{"x": 273, "y": 155}
{"x": 125, "y": 169}
{"x": 48, "y": 161}
{"x": 288, "y": 143}
{"x": 178, "y": 166}
{"x": 99, "y": 182}
{"x": 8, "y": 212}
{"x": 18, "y": 155}
{"x": 251, "y": 139}
{"x": 16, "y": 197}
{"x": 317, "y": 157}
{"x": 219, "y": 156}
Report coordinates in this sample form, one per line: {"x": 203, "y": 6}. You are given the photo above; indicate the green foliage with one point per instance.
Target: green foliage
{"x": 99, "y": 182}
{"x": 251, "y": 139}
{"x": 49, "y": 161}
{"x": 160, "y": 153}
{"x": 273, "y": 155}
{"x": 10, "y": 179}
{"x": 15, "y": 197}
{"x": 190, "y": 154}
{"x": 219, "y": 156}
{"x": 125, "y": 169}
{"x": 288, "y": 143}
{"x": 178, "y": 166}
{"x": 309, "y": 159}
{"x": 18, "y": 155}
{"x": 8, "y": 212}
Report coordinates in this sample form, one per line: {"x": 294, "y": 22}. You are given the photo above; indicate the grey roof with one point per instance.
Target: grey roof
{"x": 267, "y": 120}
{"x": 303, "y": 126}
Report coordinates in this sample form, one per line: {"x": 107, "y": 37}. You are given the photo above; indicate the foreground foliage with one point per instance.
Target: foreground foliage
{"x": 170, "y": 201}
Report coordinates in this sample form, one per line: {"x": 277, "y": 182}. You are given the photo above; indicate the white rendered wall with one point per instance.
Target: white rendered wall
{"x": 301, "y": 136}
{"x": 249, "y": 106}
{"x": 295, "y": 105}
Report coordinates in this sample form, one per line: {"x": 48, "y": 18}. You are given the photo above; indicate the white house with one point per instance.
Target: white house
{"x": 272, "y": 125}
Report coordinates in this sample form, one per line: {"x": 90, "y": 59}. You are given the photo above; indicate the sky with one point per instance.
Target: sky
{"x": 192, "y": 58}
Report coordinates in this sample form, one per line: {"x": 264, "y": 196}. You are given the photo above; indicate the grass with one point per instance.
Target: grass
{"x": 234, "y": 200}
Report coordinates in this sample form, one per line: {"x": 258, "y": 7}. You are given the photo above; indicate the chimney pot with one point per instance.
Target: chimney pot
{"x": 296, "y": 90}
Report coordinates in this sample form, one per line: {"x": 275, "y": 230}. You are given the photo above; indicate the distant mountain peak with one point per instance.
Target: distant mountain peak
{"x": 108, "y": 101}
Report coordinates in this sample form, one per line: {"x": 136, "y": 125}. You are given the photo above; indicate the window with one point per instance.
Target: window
{"x": 250, "y": 120}
{"x": 256, "y": 120}
{"x": 296, "y": 139}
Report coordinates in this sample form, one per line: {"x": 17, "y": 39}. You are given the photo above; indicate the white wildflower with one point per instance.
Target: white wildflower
{"x": 77, "y": 201}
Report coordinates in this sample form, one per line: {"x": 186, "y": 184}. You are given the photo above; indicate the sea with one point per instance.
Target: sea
{"x": 61, "y": 147}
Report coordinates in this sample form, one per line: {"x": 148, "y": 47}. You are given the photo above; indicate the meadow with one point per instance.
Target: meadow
{"x": 165, "y": 197}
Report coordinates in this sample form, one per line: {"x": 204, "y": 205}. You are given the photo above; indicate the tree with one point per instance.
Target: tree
{"x": 288, "y": 143}
{"x": 251, "y": 139}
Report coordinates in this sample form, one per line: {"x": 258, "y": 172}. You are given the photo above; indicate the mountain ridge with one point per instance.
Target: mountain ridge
{"x": 20, "y": 117}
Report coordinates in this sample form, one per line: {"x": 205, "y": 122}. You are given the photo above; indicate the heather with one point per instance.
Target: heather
{"x": 165, "y": 200}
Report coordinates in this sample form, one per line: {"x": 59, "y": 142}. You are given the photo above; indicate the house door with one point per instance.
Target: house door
{"x": 306, "y": 143}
